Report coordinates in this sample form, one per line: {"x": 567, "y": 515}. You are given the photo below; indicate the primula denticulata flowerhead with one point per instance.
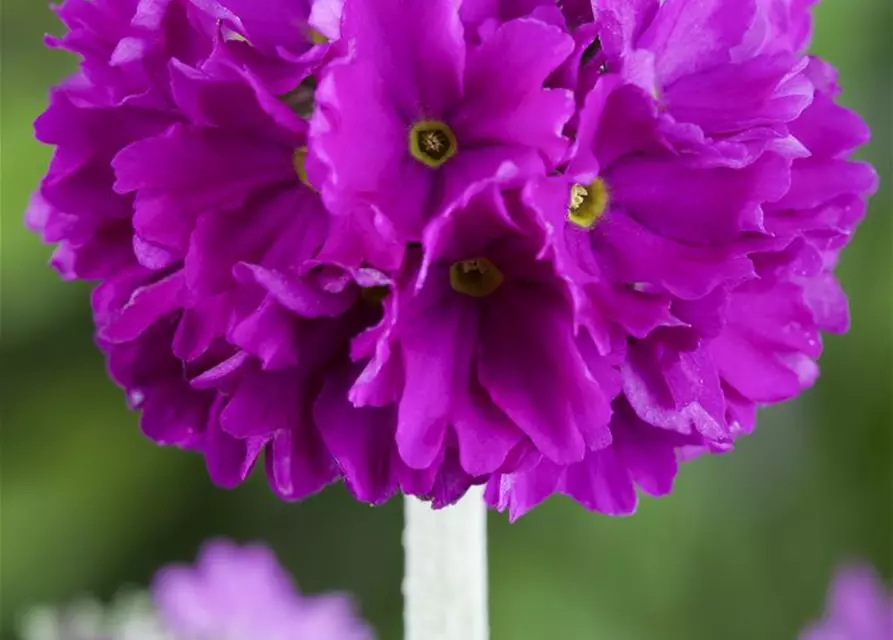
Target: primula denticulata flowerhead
{"x": 231, "y": 593}
{"x": 859, "y": 607}
{"x": 417, "y": 245}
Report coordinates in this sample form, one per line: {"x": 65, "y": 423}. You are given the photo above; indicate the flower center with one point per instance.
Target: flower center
{"x": 432, "y": 143}
{"x": 300, "y": 99}
{"x": 299, "y": 161}
{"x": 477, "y": 278}
{"x": 374, "y": 295}
{"x": 588, "y": 204}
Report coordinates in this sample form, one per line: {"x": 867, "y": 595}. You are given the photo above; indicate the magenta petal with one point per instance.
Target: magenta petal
{"x": 584, "y": 162}
{"x": 485, "y": 435}
{"x": 298, "y": 463}
{"x": 381, "y": 379}
{"x": 830, "y": 130}
{"x": 476, "y": 13}
{"x": 602, "y": 483}
{"x": 236, "y": 103}
{"x": 622, "y": 22}
{"x": 437, "y": 354}
{"x": 768, "y": 356}
{"x": 817, "y": 181}
{"x": 200, "y": 325}
{"x": 501, "y": 165}
{"x": 617, "y": 120}
{"x": 828, "y": 302}
{"x": 647, "y": 452}
{"x": 153, "y": 256}
{"x": 280, "y": 231}
{"x": 688, "y": 36}
{"x": 276, "y": 24}
{"x": 450, "y": 483}
{"x": 146, "y": 306}
{"x": 639, "y": 313}
{"x": 544, "y": 389}
{"x": 505, "y": 101}
{"x": 269, "y": 333}
{"x": 298, "y": 294}
{"x": 263, "y": 403}
{"x": 114, "y": 293}
{"x": 186, "y": 171}
{"x": 469, "y": 227}
{"x": 737, "y": 97}
{"x": 217, "y": 168}
{"x": 421, "y": 75}
{"x": 175, "y": 414}
{"x": 631, "y": 253}
{"x": 355, "y": 237}
{"x": 225, "y": 375}
{"x": 228, "y": 459}
{"x": 713, "y": 207}
{"x": 683, "y": 395}
{"x": 360, "y": 439}
{"x": 520, "y": 492}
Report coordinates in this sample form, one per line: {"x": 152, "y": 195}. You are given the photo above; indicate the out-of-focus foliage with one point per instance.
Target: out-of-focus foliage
{"x": 741, "y": 551}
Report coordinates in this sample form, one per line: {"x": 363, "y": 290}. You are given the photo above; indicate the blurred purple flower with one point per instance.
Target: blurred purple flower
{"x": 242, "y": 593}
{"x": 546, "y": 246}
{"x": 859, "y": 607}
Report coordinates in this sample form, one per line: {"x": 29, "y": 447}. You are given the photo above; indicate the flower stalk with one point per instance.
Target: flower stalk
{"x": 445, "y": 580}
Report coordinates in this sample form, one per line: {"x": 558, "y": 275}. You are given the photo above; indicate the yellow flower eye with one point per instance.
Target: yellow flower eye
{"x": 588, "y": 204}
{"x": 432, "y": 143}
{"x": 477, "y": 278}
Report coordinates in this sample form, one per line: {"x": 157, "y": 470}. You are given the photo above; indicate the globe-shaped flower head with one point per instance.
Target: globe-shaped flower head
{"x": 550, "y": 247}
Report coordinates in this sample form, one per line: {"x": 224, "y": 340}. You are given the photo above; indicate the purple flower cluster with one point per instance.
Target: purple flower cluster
{"x": 860, "y": 607}
{"x": 415, "y": 245}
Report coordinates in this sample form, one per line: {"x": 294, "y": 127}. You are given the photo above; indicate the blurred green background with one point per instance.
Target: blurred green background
{"x": 742, "y": 550}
